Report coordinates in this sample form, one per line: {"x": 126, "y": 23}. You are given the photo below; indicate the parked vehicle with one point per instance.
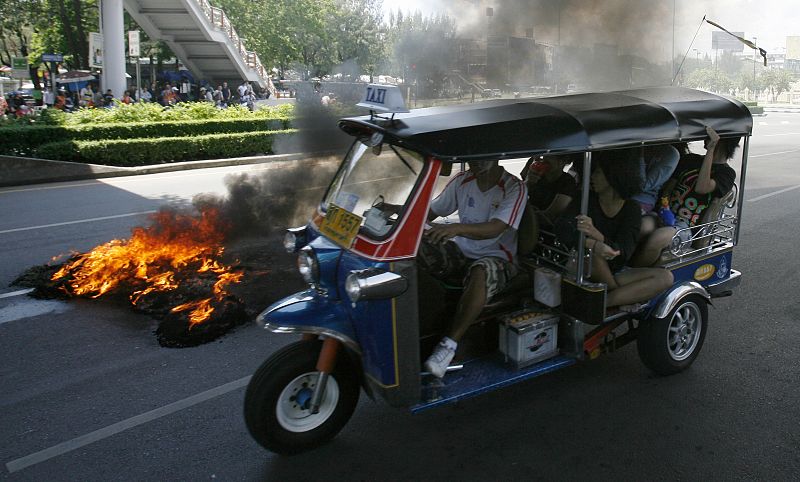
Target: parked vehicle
{"x": 370, "y": 315}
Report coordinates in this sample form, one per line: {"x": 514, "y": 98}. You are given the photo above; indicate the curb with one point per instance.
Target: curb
{"x": 18, "y": 171}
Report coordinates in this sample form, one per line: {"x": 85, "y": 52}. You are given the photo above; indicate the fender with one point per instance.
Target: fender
{"x": 308, "y": 312}
{"x": 677, "y": 293}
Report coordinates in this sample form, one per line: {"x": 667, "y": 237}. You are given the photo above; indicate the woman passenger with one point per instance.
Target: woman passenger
{"x": 612, "y": 227}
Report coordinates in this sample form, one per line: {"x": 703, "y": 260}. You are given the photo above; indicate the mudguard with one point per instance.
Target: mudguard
{"x": 308, "y": 312}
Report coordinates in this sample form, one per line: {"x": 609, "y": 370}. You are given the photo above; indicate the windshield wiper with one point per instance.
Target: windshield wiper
{"x": 404, "y": 160}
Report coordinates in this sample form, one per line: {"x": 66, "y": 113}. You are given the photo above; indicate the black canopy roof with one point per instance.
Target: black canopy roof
{"x": 571, "y": 123}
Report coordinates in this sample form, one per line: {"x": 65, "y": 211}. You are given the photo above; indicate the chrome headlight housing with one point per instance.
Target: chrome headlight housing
{"x": 308, "y": 265}
{"x": 294, "y": 238}
{"x": 374, "y": 284}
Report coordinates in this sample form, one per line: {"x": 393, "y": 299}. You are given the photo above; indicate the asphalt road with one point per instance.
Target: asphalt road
{"x": 86, "y": 393}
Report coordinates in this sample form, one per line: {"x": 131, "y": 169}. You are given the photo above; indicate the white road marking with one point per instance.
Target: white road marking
{"x": 105, "y": 432}
{"x": 784, "y": 134}
{"x": 102, "y": 218}
{"x": 16, "y": 293}
{"x": 773, "y": 154}
{"x": 775, "y": 193}
{"x": 28, "y": 308}
{"x": 763, "y": 123}
{"x": 784, "y": 122}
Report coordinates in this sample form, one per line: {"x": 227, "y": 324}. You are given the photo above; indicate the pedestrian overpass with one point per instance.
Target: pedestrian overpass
{"x": 203, "y": 39}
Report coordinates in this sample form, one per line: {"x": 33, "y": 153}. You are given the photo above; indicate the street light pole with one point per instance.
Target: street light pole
{"x": 754, "y": 66}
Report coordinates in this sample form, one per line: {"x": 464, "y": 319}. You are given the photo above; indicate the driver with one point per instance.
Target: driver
{"x": 480, "y": 249}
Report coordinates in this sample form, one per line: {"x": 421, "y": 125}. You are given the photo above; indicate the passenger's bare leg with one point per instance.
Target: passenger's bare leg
{"x": 648, "y": 252}
{"x": 601, "y": 273}
{"x": 471, "y": 303}
{"x": 636, "y": 285}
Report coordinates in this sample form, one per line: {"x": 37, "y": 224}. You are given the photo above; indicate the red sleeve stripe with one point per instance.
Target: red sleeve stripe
{"x": 453, "y": 180}
{"x": 520, "y": 202}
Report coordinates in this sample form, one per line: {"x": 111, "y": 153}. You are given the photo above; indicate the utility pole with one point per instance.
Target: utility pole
{"x": 755, "y": 50}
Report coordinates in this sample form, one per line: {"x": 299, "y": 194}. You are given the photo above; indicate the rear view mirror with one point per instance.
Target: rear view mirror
{"x": 447, "y": 169}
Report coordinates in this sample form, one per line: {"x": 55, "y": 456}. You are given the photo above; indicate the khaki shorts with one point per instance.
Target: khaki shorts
{"x": 447, "y": 263}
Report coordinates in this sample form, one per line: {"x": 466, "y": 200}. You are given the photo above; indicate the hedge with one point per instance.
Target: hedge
{"x": 139, "y": 152}
{"x": 25, "y": 140}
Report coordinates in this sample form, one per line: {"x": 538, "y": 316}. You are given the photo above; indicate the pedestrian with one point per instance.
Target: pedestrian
{"x": 49, "y": 98}
{"x": 251, "y": 98}
{"x": 242, "y": 91}
{"x": 218, "y": 98}
{"x": 108, "y": 99}
{"x": 226, "y": 95}
{"x": 86, "y": 96}
{"x": 126, "y": 98}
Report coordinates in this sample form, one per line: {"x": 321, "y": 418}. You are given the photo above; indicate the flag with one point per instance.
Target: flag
{"x": 743, "y": 40}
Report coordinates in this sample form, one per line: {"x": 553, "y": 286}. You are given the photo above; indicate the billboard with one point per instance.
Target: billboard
{"x": 96, "y": 50}
{"x": 723, "y": 41}
{"x": 793, "y": 48}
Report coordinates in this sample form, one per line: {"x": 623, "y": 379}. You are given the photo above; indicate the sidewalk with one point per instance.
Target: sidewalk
{"x": 17, "y": 171}
{"x": 781, "y": 108}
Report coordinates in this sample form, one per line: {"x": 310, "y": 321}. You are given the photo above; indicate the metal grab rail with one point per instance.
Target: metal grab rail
{"x": 220, "y": 21}
{"x": 718, "y": 233}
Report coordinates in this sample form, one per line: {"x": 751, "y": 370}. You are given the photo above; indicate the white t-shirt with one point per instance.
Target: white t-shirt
{"x": 242, "y": 90}
{"x": 504, "y": 201}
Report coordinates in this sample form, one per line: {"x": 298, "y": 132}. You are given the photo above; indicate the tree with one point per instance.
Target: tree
{"x": 423, "y": 49}
{"x": 710, "y": 79}
{"x": 359, "y": 34}
{"x": 777, "y": 80}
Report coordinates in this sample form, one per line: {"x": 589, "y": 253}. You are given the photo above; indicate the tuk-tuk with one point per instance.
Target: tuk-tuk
{"x": 370, "y": 314}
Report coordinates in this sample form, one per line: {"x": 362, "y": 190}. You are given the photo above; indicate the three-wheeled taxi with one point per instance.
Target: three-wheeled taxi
{"x": 369, "y": 315}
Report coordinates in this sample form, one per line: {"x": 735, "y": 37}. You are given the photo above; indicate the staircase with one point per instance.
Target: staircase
{"x": 202, "y": 38}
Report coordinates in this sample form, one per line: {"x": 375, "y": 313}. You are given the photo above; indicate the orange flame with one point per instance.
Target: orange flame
{"x": 152, "y": 259}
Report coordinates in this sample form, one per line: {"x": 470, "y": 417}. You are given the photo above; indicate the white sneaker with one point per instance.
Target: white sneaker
{"x": 441, "y": 357}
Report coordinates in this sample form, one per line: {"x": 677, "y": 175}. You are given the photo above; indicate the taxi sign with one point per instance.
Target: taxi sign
{"x": 383, "y": 98}
{"x": 340, "y": 225}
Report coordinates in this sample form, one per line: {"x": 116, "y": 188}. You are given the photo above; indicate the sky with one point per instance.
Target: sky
{"x": 770, "y": 21}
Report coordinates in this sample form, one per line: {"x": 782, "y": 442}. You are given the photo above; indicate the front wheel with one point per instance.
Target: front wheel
{"x": 277, "y": 402}
{"x": 669, "y": 345}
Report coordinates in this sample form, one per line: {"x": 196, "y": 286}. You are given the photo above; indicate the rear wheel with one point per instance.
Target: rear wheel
{"x": 669, "y": 345}
{"x": 277, "y": 405}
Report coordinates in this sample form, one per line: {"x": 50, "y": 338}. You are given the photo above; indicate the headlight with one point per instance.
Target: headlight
{"x": 308, "y": 266}
{"x": 374, "y": 284}
{"x": 294, "y": 238}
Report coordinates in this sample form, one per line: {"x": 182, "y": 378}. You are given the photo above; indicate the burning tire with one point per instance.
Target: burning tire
{"x": 277, "y": 403}
{"x": 669, "y": 345}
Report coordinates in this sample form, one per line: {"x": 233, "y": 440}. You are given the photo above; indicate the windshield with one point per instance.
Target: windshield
{"x": 375, "y": 177}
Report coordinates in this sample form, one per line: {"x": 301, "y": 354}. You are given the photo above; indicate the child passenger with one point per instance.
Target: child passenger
{"x": 697, "y": 180}
{"x": 611, "y": 227}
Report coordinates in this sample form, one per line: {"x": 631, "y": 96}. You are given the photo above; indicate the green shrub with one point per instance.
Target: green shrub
{"x": 24, "y": 140}
{"x": 139, "y": 152}
{"x": 152, "y": 112}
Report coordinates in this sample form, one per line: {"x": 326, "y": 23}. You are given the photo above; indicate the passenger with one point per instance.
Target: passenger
{"x": 657, "y": 166}
{"x": 612, "y": 227}
{"x": 550, "y": 188}
{"x": 698, "y": 179}
{"x": 480, "y": 248}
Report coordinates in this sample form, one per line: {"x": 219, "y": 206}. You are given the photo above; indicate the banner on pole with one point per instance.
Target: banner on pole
{"x": 20, "y": 67}
{"x": 96, "y": 50}
{"x": 133, "y": 43}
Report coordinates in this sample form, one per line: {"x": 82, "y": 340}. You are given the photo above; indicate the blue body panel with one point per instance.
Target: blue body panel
{"x": 717, "y": 268}
{"x": 374, "y": 325}
{"x": 307, "y": 310}
{"x": 482, "y": 375}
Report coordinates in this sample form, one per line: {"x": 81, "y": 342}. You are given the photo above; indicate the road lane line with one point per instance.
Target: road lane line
{"x": 105, "y": 432}
{"x": 103, "y": 218}
{"x": 774, "y": 154}
{"x": 16, "y": 293}
{"x": 775, "y": 193}
{"x": 784, "y": 134}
